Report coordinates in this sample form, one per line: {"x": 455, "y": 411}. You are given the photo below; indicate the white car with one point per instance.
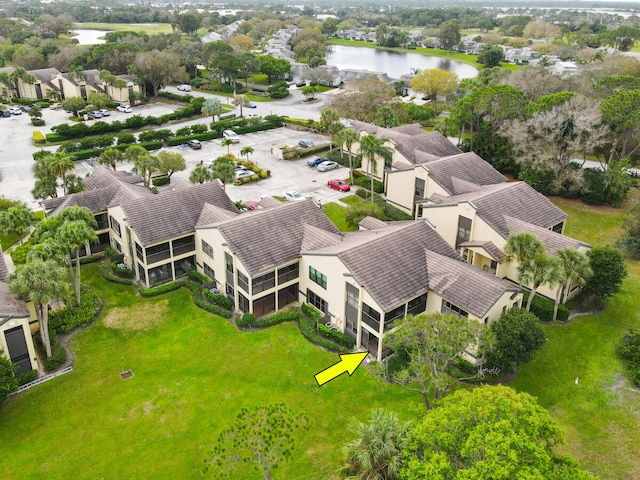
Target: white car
{"x": 244, "y": 174}
{"x": 124, "y": 108}
{"x": 231, "y": 135}
{"x": 208, "y": 162}
{"x": 293, "y": 196}
{"x": 328, "y": 165}
{"x": 184, "y": 88}
{"x": 104, "y": 112}
{"x": 15, "y": 110}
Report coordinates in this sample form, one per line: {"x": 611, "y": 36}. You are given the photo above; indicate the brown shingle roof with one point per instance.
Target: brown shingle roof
{"x": 517, "y": 199}
{"x": 171, "y": 214}
{"x": 273, "y": 236}
{"x": 10, "y": 306}
{"x": 4, "y": 269}
{"x": 468, "y": 167}
{"x": 463, "y": 285}
{"x": 371, "y": 223}
{"x": 552, "y": 241}
{"x": 488, "y": 247}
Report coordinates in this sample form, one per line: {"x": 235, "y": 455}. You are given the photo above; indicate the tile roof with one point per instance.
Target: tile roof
{"x": 465, "y": 166}
{"x": 263, "y": 239}
{"x": 489, "y": 247}
{"x": 552, "y": 241}
{"x": 516, "y": 199}
{"x": 169, "y": 215}
{"x": 212, "y": 214}
{"x": 4, "y": 268}
{"x": 371, "y": 223}
{"x": 464, "y": 285}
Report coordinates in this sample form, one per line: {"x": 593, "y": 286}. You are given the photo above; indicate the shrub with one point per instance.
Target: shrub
{"x": 134, "y": 121}
{"x": 70, "y": 317}
{"x": 200, "y": 301}
{"x": 199, "y": 128}
{"x": 543, "y": 308}
{"x": 197, "y": 277}
{"x": 91, "y": 259}
{"x": 183, "y": 132}
{"x": 151, "y": 135}
{"x": 218, "y": 299}
{"x": 246, "y": 320}
{"x": 159, "y": 181}
{"x": 126, "y": 139}
{"x": 160, "y": 289}
{"x": 121, "y": 270}
{"x": 55, "y": 138}
{"x": 338, "y": 337}
{"x": 629, "y": 350}
{"x": 57, "y": 358}
{"x": 308, "y": 330}
{"x": 37, "y": 122}
{"x": 108, "y": 276}
{"x": 26, "y": 377}
{"x": 19, "y": 253}
{"x": 365, "y": 182}
{"x": 38, "y": 137}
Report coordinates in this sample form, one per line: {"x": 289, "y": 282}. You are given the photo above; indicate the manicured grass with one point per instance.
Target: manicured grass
{"x": 336, "y": 214}
{"x": 150, "y": 28}
{"x": 192, "y": 373}
{"x": 7, "y": 241}
{"x": 601, "y": 414}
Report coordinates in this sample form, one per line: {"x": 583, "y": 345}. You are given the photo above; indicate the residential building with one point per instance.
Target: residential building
{"x": 16, "y": 323}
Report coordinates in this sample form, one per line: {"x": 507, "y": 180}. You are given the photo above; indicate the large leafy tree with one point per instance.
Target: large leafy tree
{"x": 487, "y": 432}
{"x": 375, "y": 452}
{"x": 449, "y": 34}
{"x": 362, "y": 99}
{"x": 273, "y": 67}
{"x": 537, "y": 271}
{"x": 372, "y": 147}
{"x": 74, "y": 104}
{"x": 170, "y": 163}
{"x": 575, "y": 269}
{"x": 490, "y": 55}
{"x": 433, "y": 82}
{"x": 213, "y": 107}
{"x": 18, "y": 219}
{"x": 609, "y": 270}
{"x": 160, "y": 67}
{"x": 143, "y": 163}
{"x": 622, "y": 112}
{"x": 263, "y": 437}
{"x": 224, "y": 168}
{"x": 42, "y": 281}
{"x": 431, "y": 342}
{"x": 517, "y": 337}
{"x": 349, "y": 137}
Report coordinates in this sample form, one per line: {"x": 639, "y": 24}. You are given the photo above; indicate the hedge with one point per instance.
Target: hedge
{"x": 91, "y": 259}
{"x": 218, "y": 299}
{"x": 158, "y": 182}
{"x": 38, "y": 137}
{"x": 249, "y": 321}
{"x": 69, "y": 317}
{"x": 200, "y": 301}
{"x": 338, "y": 337}
{"x": 543, "y": 308}
{"x": 197, "y": 277}
{"x": 37, "y": 122}
{"x": 108, "y": 276}
{"x": 203, "y": 137}
{"x": 160, "y": 289}
{"x": 308, "y": 330}
{"x": 57, "y": 358}
{"x": 295, "y": 153}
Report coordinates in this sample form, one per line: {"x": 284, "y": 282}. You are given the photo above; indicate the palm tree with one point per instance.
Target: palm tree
{"x": 200, "y": 174}
{"x": 332, "y": 131}
{"x": 522, "y": 247}
{"x": 143, "y": 163}
{"x": 539, "y": 270}
{"x": 328, "y": 117}
{"x": 227, "y": 142}
{"x": 5, "y": 79}
{"x": 110, "y": 157}
{"x": 42, "y": 281}
{"x": 575, "y": 270}
{"x": 59, "y": 164}
{"x": 348, "y": 137}
{"x": 372, "y": 147}
{"x": 76, "y": 235}
{"x": 213, "y": 107}
{"x": 18, "y": 220}
{"x": 246, "y": 151}
{"x": 243, "y": 101}
{"x": 375, "y": 453}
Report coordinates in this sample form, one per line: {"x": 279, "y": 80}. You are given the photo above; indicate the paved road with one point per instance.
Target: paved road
{"x": 16, "y": 148}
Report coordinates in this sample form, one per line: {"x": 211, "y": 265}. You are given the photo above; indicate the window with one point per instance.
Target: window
{"x": 451, "y": 308}
{"x": 184, "y": 265}
{"x": 417, "y": 305}
{"x": 419, "y": 188}
{"x": 391, "y": 317}
{"x": 317, "y": 277}
{"x": 316, "y": 301}
{"x": 160, "y": 274}
{"x": 141, "y": 274}
{"x": 243, "y": 281}
{"x": 464, "y": 230}
{"x": 229, "y": 262}
{"x": 287, "y": 295}
{"x": 371, "y": 317}
{"x": 207, "y": 249}
{"x": 115, "y": 226}
{"x": 139, "y": 252}
{"x": 264, "y": 305}
{"x": 101, "y": 220}
{"x": 263, "y": 282}
{"x": 243, "y": 303}
{"x": 288, "y": 273}
{"x": 208, "y": 271}
{"x": 158, "y": 252}
{"x": 183, "y": 245}
{"x": 558, "y": 227}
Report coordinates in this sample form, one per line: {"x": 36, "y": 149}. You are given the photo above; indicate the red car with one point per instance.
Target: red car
{"x": 339, "y": 185}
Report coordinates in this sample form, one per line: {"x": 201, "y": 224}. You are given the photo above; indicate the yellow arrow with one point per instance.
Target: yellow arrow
{"x": 348, "y": 363}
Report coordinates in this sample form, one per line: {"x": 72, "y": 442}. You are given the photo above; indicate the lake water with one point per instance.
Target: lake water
{"x": 90, "y": 37}
{"x": 395, "y": 64}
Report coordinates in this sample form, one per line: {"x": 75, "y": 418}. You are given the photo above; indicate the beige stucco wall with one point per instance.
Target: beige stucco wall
{"x": 401, "y": 188}
{"x": 26, "y": 330}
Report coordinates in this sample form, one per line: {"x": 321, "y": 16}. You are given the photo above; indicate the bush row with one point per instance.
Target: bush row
{"x": 308, "y": 329}
{"x": 364, "y": 181}
{"x": 197, "y": 277}
{"x": 543, "y": 308}
{"x": 218, "y": 299}
{"x": 69, "y": 317}
{"x": 391, "y": 213}
{"x": 338, "y": 337}
{"x": 57, "y": 358}
{"x": 294, "y": 153}
{"x": 108, "y": 276}
{"x": 91, "y": 259}
{"x": 248, "y": 320}
{"x": 160, "y": 289}
{"x": 200, "y": 301}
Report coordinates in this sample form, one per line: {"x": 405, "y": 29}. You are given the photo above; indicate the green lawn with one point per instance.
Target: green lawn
{"x": 601, "y": 415}
{"x": 336, "y": 214}
{"x": 192, "y": 373}
{"x": 150, "y": 28}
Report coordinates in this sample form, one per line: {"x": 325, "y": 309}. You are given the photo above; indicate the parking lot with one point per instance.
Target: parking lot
{"x": 16, "y": 162}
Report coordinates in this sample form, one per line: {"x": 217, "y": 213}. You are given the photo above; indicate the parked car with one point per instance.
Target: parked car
{"x": 244, "y": 174}
{"x": 184, "y": 88}
{"x": 24, "y": 108}
{"x": 5, "y": 113}
{"x": 315, "y": 161}
{"x": 253, "y": 105}
{"x": 208, "y": 162}
{"x": 306, "y": 144}
{"x": 301, "y": 83}
{"x": 328, "y": 165}
{"x": 55, "y": 106}
{"x": 95, "y": 114}
{"x": 293, "y": 196}
{"x": 251, "y": 205}
{"x": 337, "y": 184}
{"x": 231, "y": 135}
{"x": 15, "y": 110}
{"x": 124, "y": 108}
{"x": 195, "y": 144}
{"x": 104, "y": 112}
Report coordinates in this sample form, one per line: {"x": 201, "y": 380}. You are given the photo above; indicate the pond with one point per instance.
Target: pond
{"x": 90, "y": 37}
{"x": 394, "y": 64}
